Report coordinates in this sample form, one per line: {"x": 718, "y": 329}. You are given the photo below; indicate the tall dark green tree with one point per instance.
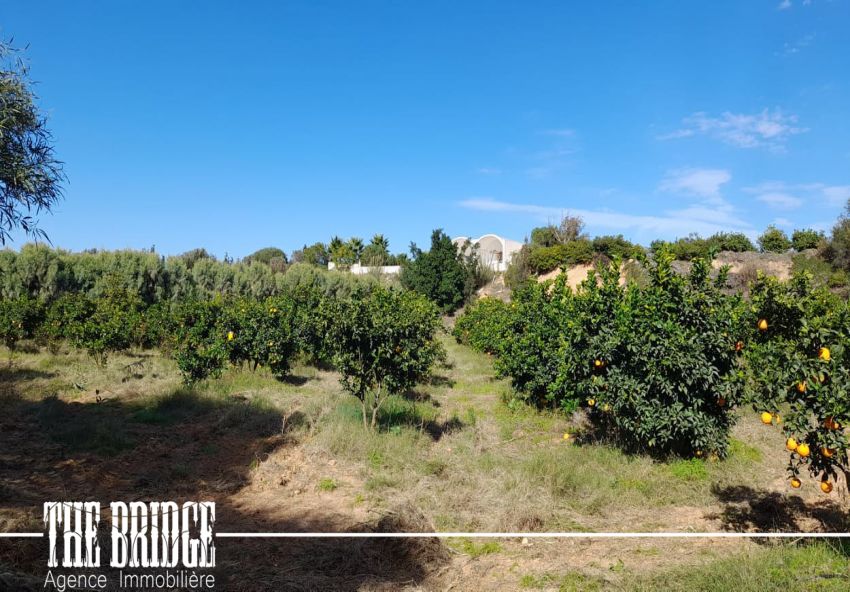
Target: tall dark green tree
{"x": 30, "y": 175}
{"x": 439, "y": 274}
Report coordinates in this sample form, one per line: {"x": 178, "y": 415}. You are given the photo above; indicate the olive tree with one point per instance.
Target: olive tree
{"x": 30, "y": 176}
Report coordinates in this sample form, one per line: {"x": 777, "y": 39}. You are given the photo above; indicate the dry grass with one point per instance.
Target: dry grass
{"x": 452, "y": 456}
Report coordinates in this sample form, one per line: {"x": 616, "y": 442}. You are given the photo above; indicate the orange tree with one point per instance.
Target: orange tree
{"x": 200, "y": 339}
{"x": 261, "y": 333}
{"x": 797, "y": 362}
{"x": 664, "y": 367}
{"x": 655, "y": 366}
{"x": 483, "y": 325}
{"x": 383, "y": 342}
{"x": 19, "y": 319}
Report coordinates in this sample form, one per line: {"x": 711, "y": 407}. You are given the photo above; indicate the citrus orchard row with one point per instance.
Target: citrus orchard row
{"x": 662, "y": 368}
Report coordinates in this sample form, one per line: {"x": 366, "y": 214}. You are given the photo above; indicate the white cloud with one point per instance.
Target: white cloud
{"x": 837, "y": 195}
{"x": 783, "y": 222}
{"x": 797, "y": 46}
{"x": 703, "y": 183}
{"x": 562, "y": 133}
{"x": 766, "y": 129}
{"x": 488, "y": 171}
{"x": 780, "y": 200}
{"x": 700, "y": 219}
{"x": 784, "y": 5}
{"x": 792, "y": 195}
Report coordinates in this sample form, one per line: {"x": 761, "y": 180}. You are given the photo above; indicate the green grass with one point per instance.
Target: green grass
{"x": 816, "y": 566}
{"x": 328, "y": 484}
{"x": 473, "y": 549}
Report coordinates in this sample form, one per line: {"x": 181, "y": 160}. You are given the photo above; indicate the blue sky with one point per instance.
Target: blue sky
{"x": 235, "y": 126}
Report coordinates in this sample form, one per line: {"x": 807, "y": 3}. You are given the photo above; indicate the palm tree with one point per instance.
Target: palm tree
{"x": 380, "y": 241}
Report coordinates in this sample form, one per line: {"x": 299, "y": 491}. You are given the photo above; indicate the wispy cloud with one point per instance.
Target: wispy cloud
{"x": 778, "y": 194}
{"x": 789, "y": 49}
{"x": 766, "y": 129}
{"x": 698, "y": 218}
{"x": 703, "y": 183}
{"x": 786, "y": 4}
{"x": 562, "y": 133}
{"x": 780, "y": 200}
{"x": 488, "y": 171}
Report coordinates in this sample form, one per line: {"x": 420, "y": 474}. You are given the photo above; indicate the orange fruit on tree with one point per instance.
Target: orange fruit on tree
{"x": 230, "y": 335}
{"x": 803, "y": 449}
{"x": 830, "y": 423}
{"x": 762, "y": 325}
{"x": 801, "y": 387}
{"x": 591, "y": 402}
{"x": 598, "y": 363}
{"x": 766, "y": 418}
{"x": 827, "y": 452}
{"x": 795, "y": 483}
{"x": 791, "y": 444}
{"x": 824, "y": 354}
{"x": 826, "y": 486}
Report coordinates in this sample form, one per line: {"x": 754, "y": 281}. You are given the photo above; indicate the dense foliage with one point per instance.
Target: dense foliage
{"x": 694, "y": 246}
{"x": 774, "y": 240}
{"x": 795, "y": 350}
{"x": 445, "y": 274}
{"x": 806, "y": 238}
{"x": 30, "y": 175}
{"x": 654, "y": 365}
{"x": 382, "y": 342}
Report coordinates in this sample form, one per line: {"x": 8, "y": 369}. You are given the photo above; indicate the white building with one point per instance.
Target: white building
{"x": 494, "y": 251}
{"x": 358, "y": 269}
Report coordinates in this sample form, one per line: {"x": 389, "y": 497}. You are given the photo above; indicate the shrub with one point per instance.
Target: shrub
{"x": 262, "y": 333}
{"x": 545, "y": 259}
{"x": 654, "y": 365}
{"x": 62, "y": 317}
{"x": 789, "y": 369}
{"x": 667, "y": 371}
{"x": 483, "y": 325}
{"x": 806, "y": 239}
{"x": 200, "y": 340}
{"x": 616, "y": 247}
{"x": 441, "y": 274}
{"x": 19, "y": 318}
{"x": 737, "y": 242}
{"x": 774, "y": 240}
{"x": 383, "y": 342}
{"x": 111, "y": 326}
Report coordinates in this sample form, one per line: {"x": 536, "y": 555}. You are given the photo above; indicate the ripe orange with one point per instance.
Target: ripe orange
{"x": 230, "y": 335}
{"x": 762, "y": 325}
{"x": 698, "y": 453}
{"x": 791, "y": 444}
{"x": 826, "y": 486}
{"x": 803, "y": 449}
{"x": 591, "y": 402}
{"x": 827, "y": 452}
{"x": 830, "y": 424}
{"x": 598, "y": 363}
{"x": 801, "y": 387}
{"x": 766, "y": 418}
{"x": 823, "y": 354}
{"x": 795, "y": 483}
